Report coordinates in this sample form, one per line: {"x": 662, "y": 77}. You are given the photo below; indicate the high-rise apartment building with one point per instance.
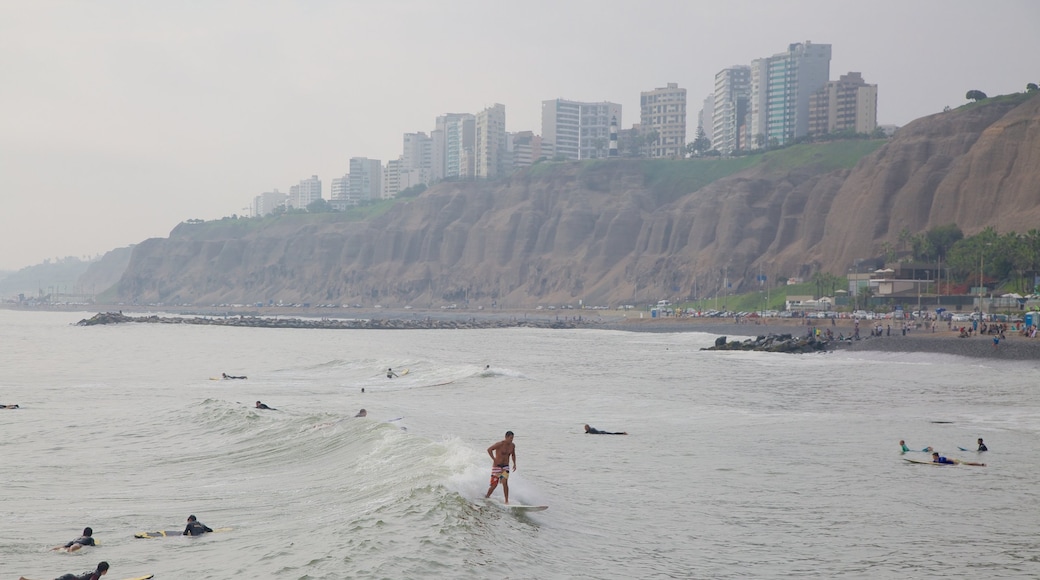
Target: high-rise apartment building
{"x": 847, "y": 104}
{"x": 490, "y": 143}
{"x": 576, "y": 130}
{"x": 705, "y": 119}
{"x": 267, "y": 202}
{"x": 307, "y": 192}
{"x": 366, "y": 179}
{"x": 732, "y": 89}
{"x": 663, "y": 111}
{"x": 785, "y": 83}
{"x": 454, "y": 136}
{"x": 392, "y": 178}
{"x": 340, "y": 188}
{"x": 417, "y": 157}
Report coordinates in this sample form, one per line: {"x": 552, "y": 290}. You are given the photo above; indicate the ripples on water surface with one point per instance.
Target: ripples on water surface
{"x": 738, "y": 465}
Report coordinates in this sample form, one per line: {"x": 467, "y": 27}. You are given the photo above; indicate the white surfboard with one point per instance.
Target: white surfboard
{"x": 516, "y": 507}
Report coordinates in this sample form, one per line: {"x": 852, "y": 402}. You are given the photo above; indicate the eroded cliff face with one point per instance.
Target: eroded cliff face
{"x": 605, "y": 234}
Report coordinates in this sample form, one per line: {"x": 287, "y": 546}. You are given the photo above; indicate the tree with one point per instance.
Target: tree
{"x": 319, "y": 206}
{"x": 1030, "y": 87}
{"x": 975, "y": 95}
{"x": 878, "y": 133}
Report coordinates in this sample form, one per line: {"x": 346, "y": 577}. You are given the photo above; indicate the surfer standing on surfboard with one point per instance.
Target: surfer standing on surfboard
{"x": 500, "y": 453}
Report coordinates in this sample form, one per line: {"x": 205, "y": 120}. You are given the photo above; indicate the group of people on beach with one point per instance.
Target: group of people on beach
{"x": 193, "y": 528}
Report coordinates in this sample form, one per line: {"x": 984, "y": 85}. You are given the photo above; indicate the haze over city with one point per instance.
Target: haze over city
{"x": 122, "y": 119}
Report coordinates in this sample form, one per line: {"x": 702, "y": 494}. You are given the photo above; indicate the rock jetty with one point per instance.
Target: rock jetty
{"x": 337, "y": 323}
{"x": 772, "y": 343}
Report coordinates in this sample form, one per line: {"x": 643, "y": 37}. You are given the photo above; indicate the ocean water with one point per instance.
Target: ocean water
{"x": 737, "y": 465}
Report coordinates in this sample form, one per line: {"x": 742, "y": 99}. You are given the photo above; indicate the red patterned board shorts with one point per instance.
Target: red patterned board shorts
{"x": 499, "y": 472}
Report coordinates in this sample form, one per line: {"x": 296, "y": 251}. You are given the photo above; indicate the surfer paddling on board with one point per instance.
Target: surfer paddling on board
{"x": 260, "y": 405}
{"x": 500, "y": 454}
{"x": 595, "y": 431}
{"x": 227, "y": 376}
{"x": 195, "y": 527}
{"x": 87, "y": 539}
{"x": 101, "y": 570}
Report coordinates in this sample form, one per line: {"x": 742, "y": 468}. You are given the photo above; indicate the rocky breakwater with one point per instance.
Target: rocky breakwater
{"x": 772, "y": 343}
{"x": 332, "y": 323}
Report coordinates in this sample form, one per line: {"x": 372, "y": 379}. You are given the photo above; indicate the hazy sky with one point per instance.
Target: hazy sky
{"x": 120, "y": 119}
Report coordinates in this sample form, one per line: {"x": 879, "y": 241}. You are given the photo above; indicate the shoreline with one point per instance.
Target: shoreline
{"x": 1012, "y": 348}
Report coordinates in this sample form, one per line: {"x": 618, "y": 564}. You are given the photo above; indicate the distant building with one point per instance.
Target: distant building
{"x": 267, "y": 202}
{"x": 417, "y": 158}
{"x": 705, "y": 119}
{"x": 577, "y": 130}
{"x": 847, "y": 104}
{"x": 663, "y": 110}
{"x": 526, "y": 148}
{"x": 366, "y": 180}
{"x": 454, "y": 136}
{"x": 490, "y": 144}
{"x": 392, "y": 178}
{"x": 305, "y": 193}
{"x": 340, "y": 188}
{"x": 790, "y": 79}
{"x": 729, "y": 115}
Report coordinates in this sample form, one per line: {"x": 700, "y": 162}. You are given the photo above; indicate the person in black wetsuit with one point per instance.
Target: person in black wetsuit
{"x": 390, "y": 373}
{"x": 260, "y": 405}
{"x": 227, "y": 376}
{"x": 101, "y": 570}
{"x": 87, "y": 539}
{"x": 195, "y": 527}
{"x": 982, "y": 446}
{"x": 595, "y": 431}
{"x": 9, "y": 406}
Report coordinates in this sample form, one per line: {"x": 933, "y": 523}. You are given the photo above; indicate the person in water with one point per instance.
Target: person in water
{"x": 87, "y": 539}
{"x": 936, "y": 458}
{"x": 260, "y": 405}
{"x": 362, "y": 413}
{"x": 101, "y": 570}
{"x": 902, "y": 446}
{"x": 501, "y": 453}
{"x": 595, "y": 431}
{"x": 227, "y": 376}
{"x": 390, "y": 373}
{"x": 982, "y": 446}
{"x": 15, "y": 406}
{"x": 195, "y": 527}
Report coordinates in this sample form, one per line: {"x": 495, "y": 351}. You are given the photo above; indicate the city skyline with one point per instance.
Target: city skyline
{"x": 123, "y": 119}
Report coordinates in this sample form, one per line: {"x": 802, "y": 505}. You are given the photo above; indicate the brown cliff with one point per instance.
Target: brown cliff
{"x": 620, "y": 231}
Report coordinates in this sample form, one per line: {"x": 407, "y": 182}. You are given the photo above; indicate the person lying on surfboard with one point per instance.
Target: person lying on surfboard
{"x": 15, "y": 406}
{"x": 195, "y": 527}
{"x": 227, "y": 376}
{"x": 595, "y": 431}
{"x": 101, "y": 570}
{"x": 936, "y": 458}
{"x": 87, "y": 539}
{"x": 260, "y": 405}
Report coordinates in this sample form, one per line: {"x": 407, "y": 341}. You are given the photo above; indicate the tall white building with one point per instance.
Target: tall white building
{"x": 340, "y": 188}
{"x": 790, "y": 79}
{"x": 392, "y": 178}
{"x": 707, "y": 113}
{"x": 267, "y": 202}
{"x": 732, "y": 88}
{"x": 490, "y": 143}
{"x": 307, "y": 192}
{"x": 366, "y": 180}
{"x": 577, "y": 130}
{"x": 457, "y": 135}
{"x": 417, "y": 157}
{"x": 663, "y": 110}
